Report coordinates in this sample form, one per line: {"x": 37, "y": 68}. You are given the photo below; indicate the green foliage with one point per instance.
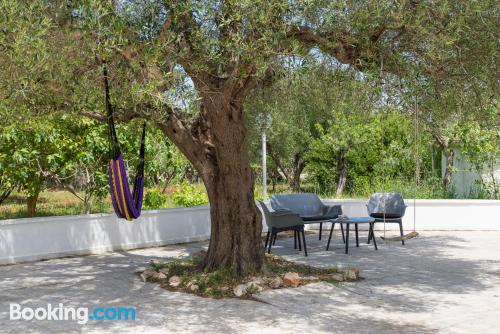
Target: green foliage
{"x": 33, "y": 151}
{"x": 154, "y": 199}
{"x": 297, "y": 102}
{"x": 374, "y": 146}
{"x": 165, "y": 164}
{"x": 190, "y": 195}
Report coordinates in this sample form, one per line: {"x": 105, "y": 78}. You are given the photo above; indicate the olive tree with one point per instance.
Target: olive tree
{"x": 223, "y": 50}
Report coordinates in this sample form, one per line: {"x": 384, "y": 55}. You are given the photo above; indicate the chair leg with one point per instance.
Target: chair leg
{"x": 300, "y": 243}
{"x": 275, "y": 237}
{"x": 270, "y": 241}
{"x": 357, "y": 238}
{"x": 267, "y": 239}
{"x": 342, "y": 230}
{"x": 330, "y": 237}
{"x": 373, "y": 236}
{"x": 294, "y": 239}
{"x": 401, "y": 231}
{"x": 320, "y": 229}
{"x": 370, "y": 234}
{"x": 347, "y": 238}
{"x": 304, "y": 241}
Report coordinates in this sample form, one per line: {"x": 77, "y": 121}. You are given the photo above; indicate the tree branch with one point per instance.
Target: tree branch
{"x": 339, "y": 46}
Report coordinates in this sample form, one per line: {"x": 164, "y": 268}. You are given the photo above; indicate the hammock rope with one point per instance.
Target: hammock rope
{"x": 126, "y": 204}
{"x": 414, "y": 233}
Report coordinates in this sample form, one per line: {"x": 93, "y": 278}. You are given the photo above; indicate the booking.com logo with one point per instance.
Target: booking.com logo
{"x": 80, "y": 314}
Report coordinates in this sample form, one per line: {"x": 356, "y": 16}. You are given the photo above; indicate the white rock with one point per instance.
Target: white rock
{"x": 147, "y": 274}
{"x": 240, "y": 290}
{"x": 174, "y": 281}
{"x": 194, "y": 288}
{"x": 257, "y": 280}
{"x": 275, "y": 283}
{"x": 351, "y": 274}
{"x": 339, "y": 277}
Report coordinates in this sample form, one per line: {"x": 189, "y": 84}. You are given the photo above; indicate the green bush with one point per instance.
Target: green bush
{"x": 190, "y": 195}
{"x": 154, "y": 199}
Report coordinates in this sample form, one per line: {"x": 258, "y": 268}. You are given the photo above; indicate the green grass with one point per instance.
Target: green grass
{"x": 57, "y": 203}
{"x": 60, "y": 203}
{"x": 50, "y": 203}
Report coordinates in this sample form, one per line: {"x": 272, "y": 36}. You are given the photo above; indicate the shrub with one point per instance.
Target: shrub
{"x": 190, "y": 195}
{"x": 154, "y": 199}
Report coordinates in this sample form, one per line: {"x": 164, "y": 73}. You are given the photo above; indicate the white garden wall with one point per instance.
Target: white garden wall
{"x": 475, "y": 215}
{"x": 50, "y": 237}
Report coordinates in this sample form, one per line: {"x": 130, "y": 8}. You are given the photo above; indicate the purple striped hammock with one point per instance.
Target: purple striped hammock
{"x": 125, "y": 203}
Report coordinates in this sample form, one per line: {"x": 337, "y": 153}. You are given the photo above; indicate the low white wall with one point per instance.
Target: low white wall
{"x": 49, "y": 237}
{"x": 33, "y": 239}
{"x": 456, "y": 214}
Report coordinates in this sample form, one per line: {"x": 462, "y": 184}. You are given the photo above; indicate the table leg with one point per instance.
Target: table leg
{"x": 357, "y": 239}
{"x": 330, "y": 237}
{"x": 347, "y": 238}
{"x": 373, "y": 236}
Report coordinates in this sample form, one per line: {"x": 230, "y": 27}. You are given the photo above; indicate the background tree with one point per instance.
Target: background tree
{"x": 34, "y": 152}
{"x": 297, "y": 102}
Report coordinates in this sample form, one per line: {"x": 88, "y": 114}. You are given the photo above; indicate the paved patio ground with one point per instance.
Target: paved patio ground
{"x": 442, "y": 282}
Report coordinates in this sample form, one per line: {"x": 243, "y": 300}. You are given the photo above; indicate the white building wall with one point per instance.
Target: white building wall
{"x": 464, "y": 180}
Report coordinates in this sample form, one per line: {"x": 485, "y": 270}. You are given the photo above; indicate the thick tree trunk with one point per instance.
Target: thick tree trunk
{"x": 295, "y": 179}
{"x": 342, "y": 169}
{"x": 236, "y": 227}
{"x": 274, "y": 176}
{"x": 298, "y": 167}
{"x": 235, "y": 238}
{"x": 450, "y": 154}
{"x": 31, "y": 205}
{"x": 87, "y": 203}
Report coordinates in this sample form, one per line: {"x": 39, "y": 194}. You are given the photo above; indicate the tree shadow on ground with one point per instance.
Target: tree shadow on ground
{"x": 423, "y": 267}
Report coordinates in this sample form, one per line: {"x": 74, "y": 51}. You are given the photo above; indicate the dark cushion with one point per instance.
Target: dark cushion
{"x": 387, "y": 215}
{"x": 316, "y": 218}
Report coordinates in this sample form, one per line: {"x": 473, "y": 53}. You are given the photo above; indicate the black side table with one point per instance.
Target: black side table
{"x": 348, "y": 222}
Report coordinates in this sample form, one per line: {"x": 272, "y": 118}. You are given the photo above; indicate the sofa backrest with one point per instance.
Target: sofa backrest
{"x": 305, "y": 204}
{"x": 265, "y": 210}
